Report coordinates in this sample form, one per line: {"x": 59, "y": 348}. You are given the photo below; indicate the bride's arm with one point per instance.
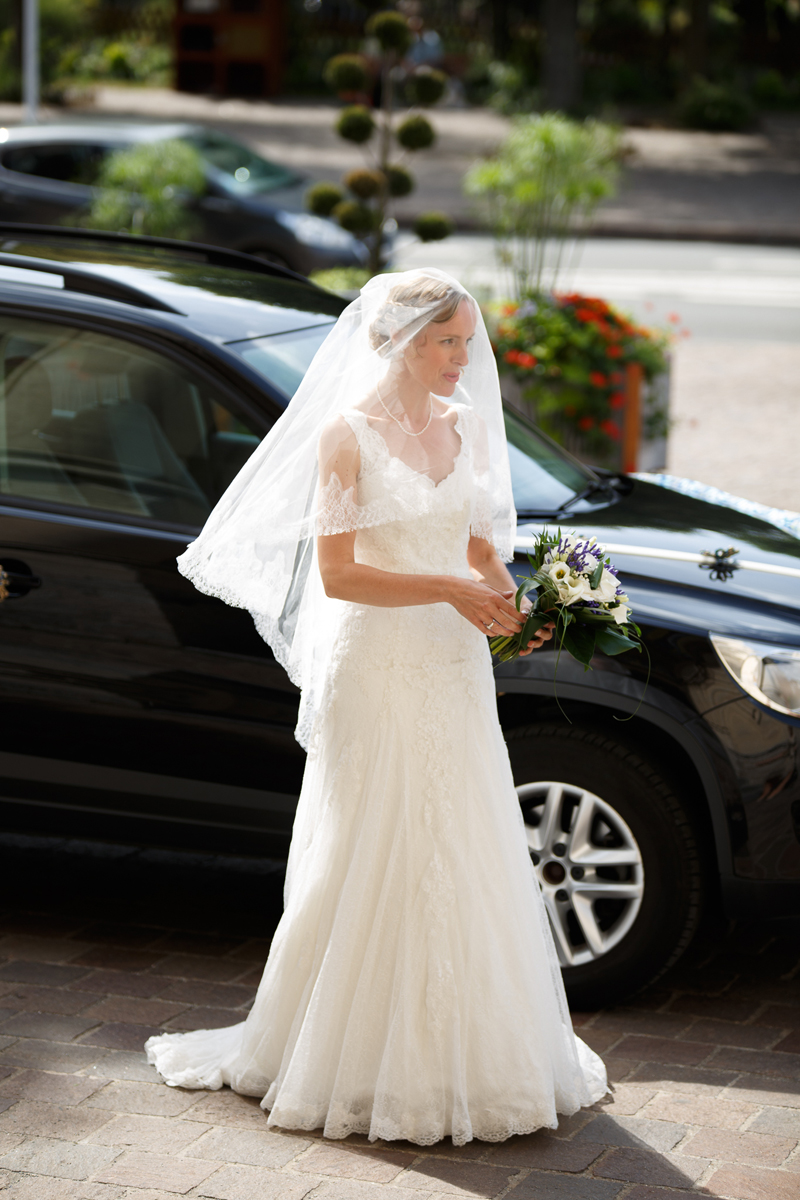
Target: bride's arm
{"x": 345, "y": 579}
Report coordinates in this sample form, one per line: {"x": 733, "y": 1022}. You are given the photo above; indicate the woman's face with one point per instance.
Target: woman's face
{"x": 439, "y": 354}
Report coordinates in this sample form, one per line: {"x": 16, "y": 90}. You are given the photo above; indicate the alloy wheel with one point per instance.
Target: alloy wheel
{"x": 589, "y": 868}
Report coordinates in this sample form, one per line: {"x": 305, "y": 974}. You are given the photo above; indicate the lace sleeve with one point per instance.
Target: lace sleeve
{"x": 337, "y": 509}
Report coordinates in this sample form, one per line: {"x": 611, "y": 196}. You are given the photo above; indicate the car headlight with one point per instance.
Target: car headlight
{"x": 315, "y": 231}
{"x": 770, "y": 674}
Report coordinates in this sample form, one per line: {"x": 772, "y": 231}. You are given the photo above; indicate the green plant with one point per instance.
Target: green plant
{"x": 714, "y": 106}
{"x": 322, "y": 198}
{"x": 569, "y": 353}
{"x": 147, "y": 188}
{"x": 382, "y": 179}
{"x": 344, "y": 281}
{"x": 544, "y": 184}
{"x": 347, "y": 73}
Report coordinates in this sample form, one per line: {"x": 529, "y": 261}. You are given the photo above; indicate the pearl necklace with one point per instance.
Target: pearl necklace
{"x": 408, "y": 432}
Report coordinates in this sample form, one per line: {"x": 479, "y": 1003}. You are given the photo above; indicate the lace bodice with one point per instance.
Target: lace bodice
{"x": 404, "y": 521}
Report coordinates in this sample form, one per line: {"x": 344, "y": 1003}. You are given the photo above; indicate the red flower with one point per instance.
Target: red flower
{"x": 614, "y": 351}
{"x": 611, "y": 429}
{"x": 586, "y": 423}
{"x": 616, "y": 377}
{"x": 585, "y": 314}
{"x": 511, "y": 356}
{"x": 598, "y": 379}
{"x": 617, "y": 400}
{"x": 508, "y": 309}
{"x": 526, "y": 360}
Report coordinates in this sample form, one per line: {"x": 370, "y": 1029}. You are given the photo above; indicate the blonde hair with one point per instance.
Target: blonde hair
{"x": 420, "y": 295}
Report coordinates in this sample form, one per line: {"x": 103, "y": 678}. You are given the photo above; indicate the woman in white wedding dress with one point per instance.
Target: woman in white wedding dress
{"x": 412, "y": 988}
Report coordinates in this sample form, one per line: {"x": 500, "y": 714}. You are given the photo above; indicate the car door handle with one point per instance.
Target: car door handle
{"x": 16, "y": 580}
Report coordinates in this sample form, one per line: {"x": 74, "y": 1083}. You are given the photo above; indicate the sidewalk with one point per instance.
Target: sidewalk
{"x": 677, "y": 183}
{"x": 705, "y": 1065}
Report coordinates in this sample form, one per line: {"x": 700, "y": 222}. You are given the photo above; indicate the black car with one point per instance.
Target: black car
{"x": 48, "y": 174}
{"x": 137, "y": 378}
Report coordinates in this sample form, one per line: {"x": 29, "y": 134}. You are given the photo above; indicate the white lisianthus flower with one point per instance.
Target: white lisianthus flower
{"x": 606, "y": 589}
{"x": 574, "y": 588}
{"x": 620, "y": 613}
{"x": 558, "y": 572}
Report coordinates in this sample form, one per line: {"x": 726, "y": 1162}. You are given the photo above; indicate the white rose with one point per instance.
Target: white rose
{"x": 620, "y": 613}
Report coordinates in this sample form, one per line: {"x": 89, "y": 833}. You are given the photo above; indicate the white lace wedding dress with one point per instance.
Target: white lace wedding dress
{"x": 412, "y": 988}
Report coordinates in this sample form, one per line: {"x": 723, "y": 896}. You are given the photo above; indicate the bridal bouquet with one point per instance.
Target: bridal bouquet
{"x": 576, "y": 588}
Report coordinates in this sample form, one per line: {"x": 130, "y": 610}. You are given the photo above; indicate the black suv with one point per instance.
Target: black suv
{"x": 137, "y": 377}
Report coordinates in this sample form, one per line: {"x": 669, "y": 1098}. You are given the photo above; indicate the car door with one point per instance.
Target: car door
{"x": 43, "y": 183}
{"x": 128, "y": 700}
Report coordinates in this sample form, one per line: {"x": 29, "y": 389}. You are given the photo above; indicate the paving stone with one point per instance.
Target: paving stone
{"x": 53, "y": 1089}
{"x": 257, "y": 1148}
{"x": 55, "y": 925}
{"x": 543, "y": 1185}
{"x": 209, "y": 995}
{"x": 206, "y": 1018}
{"x": 39, "y": 1187}
{"x": 646, "y": 1192}
{"x": 118, "y": 958}
{"x": 650, "y": 1166}
{"x": 783, "y": 1122}
{"x": 759, "y": 1089}
{"x": 356, "y": 1189}
{"x": 160, "y": 1135}
{"x": 727, "y": 1033}
{"x": 750, "y": 1183}
{"x": 618, "y": 1069}
{"x": 194, "y": 966}
{"x": 47, "y": 1026}
{"x": 782, "y": 1016}
{"x": 41, "y": 949}
{"x": 675, "y": 1078}
{"x": 130, "y": 936}
{"x": 7, "y": 1101}
{"x": 138, "y": 1169}
{"x": 544, "y": 1151}
{"x": 255, "y": 1183}
{"x": 629, "y": 1020}
{"x": 49, "y": 1156}
{"x": 662, "y": 1050}
{"x": 151, "y": 1099}
{"x": 632, "y": 1131}
{"x": 131, "y": 1011}
{"x": 625, "y": 1100}
{"x": 197, "y": 943}
{"x": 230, "y": 1110}
{"x": 50, "y": 1056}
{"x": 698, "y": 1110}
{"x": 600, "y": 1040}
{"x": 372, "y": 1166}
{"x": 457, "y": 1178}
{"x": 569, "y": 1126}
{"x": 122, "y": 983}
{"x": 790, "y": 1044}
{"x": 253, "y": 950}
{"x": 36, "y": 1119}
{"x": 123, "y": 1064}
{"x": 759, "y": 1062}
{"x": 755, "y": 1149}
{"x": 32, "y": 998}
{"x": 251, "y": 978}
{"x": 22, "y": 971}
{"x": 723, "y": 1008}
{"x": 114, "y": 1036}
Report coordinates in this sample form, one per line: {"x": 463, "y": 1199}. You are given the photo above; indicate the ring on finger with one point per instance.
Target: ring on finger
{"x": 491, "y": 623}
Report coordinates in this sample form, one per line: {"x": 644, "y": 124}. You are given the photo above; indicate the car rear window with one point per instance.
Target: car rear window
{"x": 242, "y": 168}
{"x": 65, "y": 162}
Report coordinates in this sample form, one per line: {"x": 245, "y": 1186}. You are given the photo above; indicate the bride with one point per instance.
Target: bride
{"x": 412, "y": 988}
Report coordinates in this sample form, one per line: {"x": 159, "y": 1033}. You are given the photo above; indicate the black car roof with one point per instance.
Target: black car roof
{"x": 183, "y": 278}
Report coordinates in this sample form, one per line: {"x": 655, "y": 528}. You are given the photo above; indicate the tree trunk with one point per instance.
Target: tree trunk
{"x": 561, "y": 67}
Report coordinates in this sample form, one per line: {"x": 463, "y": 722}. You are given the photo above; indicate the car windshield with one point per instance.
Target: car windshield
{"x": 283, "y": 358}
{"x": 242, "y": 169}
{"x": 543, "y": 478}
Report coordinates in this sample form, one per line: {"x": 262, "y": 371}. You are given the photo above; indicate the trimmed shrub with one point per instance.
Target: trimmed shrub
{"x": 415, "y": 133}
{"x": 400, "y": 180}
{"x": 714, "y": 106}
{"x": 391, "y": 30}
{"x": 433, "y": 226}
{"x": 347, "y": 73}
{"x": 363, "y": 183}
{"x": 357, "y": 218}
{"x": 356, "y": 124}
{"x": 427, "y": 86}
{"x": 322, "y": 198}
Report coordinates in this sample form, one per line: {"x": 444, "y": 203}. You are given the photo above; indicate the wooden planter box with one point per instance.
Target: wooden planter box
{"x": 635, "y": 451}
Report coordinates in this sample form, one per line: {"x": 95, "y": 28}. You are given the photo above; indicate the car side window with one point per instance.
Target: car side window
{"x": 62, "y": 161}
{"x": 99, "y": 423}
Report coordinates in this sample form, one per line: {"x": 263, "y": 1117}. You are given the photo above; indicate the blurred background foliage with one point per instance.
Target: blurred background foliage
{"x": 714, "y": 64}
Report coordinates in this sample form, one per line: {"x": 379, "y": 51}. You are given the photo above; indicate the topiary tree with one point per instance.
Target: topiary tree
{"x": 384, "y": 178}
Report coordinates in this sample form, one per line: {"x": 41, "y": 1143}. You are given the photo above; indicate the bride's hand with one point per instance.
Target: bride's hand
{"x": 493, "y": 613}
{"x": 539, "y": 638}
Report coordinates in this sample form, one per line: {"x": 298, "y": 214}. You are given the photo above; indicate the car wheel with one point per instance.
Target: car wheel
{"x": 616, "y": 855}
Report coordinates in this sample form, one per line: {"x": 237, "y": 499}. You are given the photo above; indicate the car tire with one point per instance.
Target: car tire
{"x": 617, "y": 857}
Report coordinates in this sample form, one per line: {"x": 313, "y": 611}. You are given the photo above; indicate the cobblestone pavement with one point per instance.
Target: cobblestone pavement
{"x": 101, "y": 947}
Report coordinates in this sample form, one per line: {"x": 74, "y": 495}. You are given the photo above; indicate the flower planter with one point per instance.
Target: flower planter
{"x": 642, "y": 421}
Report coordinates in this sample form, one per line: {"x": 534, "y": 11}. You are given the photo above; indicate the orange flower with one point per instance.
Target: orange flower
{"x": 508, "y": 309}
{"x": 598, "y": 378}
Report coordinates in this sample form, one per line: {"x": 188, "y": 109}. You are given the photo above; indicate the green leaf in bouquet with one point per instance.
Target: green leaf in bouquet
{"x": 596, "y": 576}
{"x": 615, "y": 641}
{"x": 527, "y": 585}
{"x": 580, "y": 642}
